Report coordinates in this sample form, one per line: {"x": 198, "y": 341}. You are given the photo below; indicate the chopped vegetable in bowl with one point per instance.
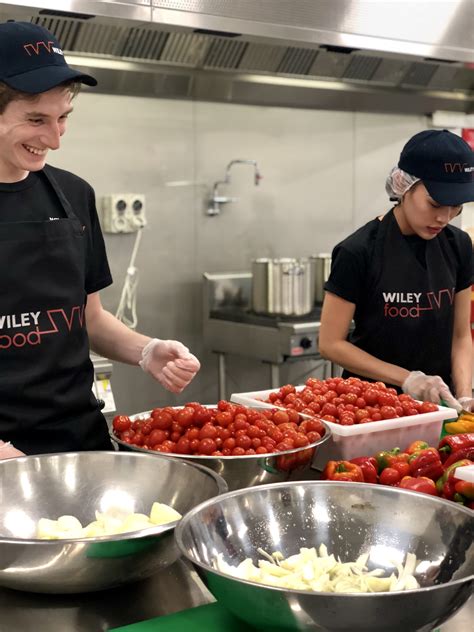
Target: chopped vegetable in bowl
{"x": 316, "y": 570}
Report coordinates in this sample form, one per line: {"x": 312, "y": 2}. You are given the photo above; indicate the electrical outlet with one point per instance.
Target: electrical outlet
{"x": 122, "y": 212}
{"x": 135, "y": 211}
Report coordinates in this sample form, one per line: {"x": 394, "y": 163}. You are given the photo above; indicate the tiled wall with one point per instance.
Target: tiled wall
{"x": 323, "y": 175}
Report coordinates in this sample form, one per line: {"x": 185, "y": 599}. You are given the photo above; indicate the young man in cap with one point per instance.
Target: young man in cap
{"x": 54, "y": 265}
{"x": 405, "y": 279}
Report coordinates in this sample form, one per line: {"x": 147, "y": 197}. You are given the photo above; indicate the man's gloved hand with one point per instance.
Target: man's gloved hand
{"x": 7, "y": 451}
{"x": 467, "y": 403}
{"x": 170, "y": 363}
{"x": 429, "y": 388}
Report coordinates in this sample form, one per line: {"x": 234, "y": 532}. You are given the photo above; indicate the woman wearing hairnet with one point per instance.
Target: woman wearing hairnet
{"x": 405, "y": 280}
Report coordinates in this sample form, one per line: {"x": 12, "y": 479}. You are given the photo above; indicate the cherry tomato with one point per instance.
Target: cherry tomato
{"x": 388, "y": 412}
{"x": 202, "y": 416}
{"x": 156, "y": 436}
{"x": 386, "y": 399}
{"x": 162, "y": 421}
{"x": 192, "y": 433}
{"x": 208, "y": 431}
{"x": 207, "y": 446}
{"x": 243, "y": 441}
{"x": 287, "y": 389}
{"x": 361, "y": 414}
{"x": 240, "y": 424}
{"x": 371, "y": 396}
{"x": 194, "y": 445}
{"x": 138, "y": 439}
{"x": 224, "y": 418}
{"x": 121, "y": 423}
{"x": 428, "y": 407}
{"x": 301, "y": 440}
{"x": 183, "y": 446}
{"x": 185, "y": 416}
{"x": 346, "y": 419}
{"x": 280, "y": 417}
{"x": 329, "y": 409}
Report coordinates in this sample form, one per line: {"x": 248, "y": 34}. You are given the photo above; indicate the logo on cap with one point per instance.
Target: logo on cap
{"x": 34, "y": 49}
{"x": 453, "y": 167}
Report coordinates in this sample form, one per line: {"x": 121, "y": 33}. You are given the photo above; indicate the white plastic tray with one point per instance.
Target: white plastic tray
{"x": 348, "y": 442}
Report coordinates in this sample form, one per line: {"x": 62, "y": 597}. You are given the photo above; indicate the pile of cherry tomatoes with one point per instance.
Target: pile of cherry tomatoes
{"x": 348, "y": 402}
{"x": 226, "y": 430}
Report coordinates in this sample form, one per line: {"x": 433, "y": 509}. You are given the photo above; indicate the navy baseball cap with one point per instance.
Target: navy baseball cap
{"x": 444, "y": 162}
{"x": 31, "y": 59}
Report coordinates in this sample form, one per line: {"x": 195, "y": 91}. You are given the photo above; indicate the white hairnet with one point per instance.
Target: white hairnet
{"x": 398, "y": 182}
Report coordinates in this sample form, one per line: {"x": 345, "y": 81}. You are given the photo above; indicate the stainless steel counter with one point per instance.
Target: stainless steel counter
{"x": 176, "y": 588}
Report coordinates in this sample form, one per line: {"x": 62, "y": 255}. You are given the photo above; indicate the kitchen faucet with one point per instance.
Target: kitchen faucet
{"x": 216, "y": 200}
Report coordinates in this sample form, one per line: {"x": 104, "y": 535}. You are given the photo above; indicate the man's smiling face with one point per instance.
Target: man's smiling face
{"x": 29, "y": 128}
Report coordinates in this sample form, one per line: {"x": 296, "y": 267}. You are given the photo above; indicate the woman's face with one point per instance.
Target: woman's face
{"x": 418, "y": 214}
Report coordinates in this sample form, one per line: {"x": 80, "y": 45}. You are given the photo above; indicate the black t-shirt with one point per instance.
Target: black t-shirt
{"x": 352, "y": 257}
{"x": 33, "y": 199}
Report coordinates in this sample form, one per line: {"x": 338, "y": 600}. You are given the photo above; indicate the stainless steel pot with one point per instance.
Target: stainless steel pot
{"x": 321, "y": 269}
{"x": 282, "y": 286}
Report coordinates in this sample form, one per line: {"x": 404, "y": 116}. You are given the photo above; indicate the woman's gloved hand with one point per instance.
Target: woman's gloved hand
{"x": 467, "y": 403}
{"x": 170, "y": 363}
{"x": 429, "y": 388}
{"x": 7, "y": 451}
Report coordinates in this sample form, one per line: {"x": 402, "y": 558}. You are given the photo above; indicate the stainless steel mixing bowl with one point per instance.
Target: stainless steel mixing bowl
{"x": 351, "y": 519}
{"x": 77, "y": 484}
{"x": 250, "y": 469}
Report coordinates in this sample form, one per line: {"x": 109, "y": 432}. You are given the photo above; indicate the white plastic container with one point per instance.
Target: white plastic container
{"x": 348, "y": 442}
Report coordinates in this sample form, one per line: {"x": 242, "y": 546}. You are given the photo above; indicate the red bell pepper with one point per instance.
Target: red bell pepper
{"x": 343, "y": 471}
{"x": 402, "y": 467}
{"x": 417, "y": 446}
{"x": 446, "y": 484}
{"x": 390, "y": 476}
{"x": 422, "y": 484}
{"x": 453, "y": 443}
{"x": 386, "y": 458}
{"x": 463, "y": 453}
{"x": 368, "y": 465}
{"x": 426, "y": 463}
{"x": 464, "y": 488}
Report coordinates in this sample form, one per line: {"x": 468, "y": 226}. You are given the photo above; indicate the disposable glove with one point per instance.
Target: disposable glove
{"x": 467, "y": 403}
{"x": 7, "y": 451}
{"x": 429, "y": 388}
{"x": 170, "y": 363}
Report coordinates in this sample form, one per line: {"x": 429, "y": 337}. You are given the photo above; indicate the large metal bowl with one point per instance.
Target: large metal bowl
{"x": 351, "y": 519}
{"x": 77, "y": 484}
{"x": 247, "y": 470}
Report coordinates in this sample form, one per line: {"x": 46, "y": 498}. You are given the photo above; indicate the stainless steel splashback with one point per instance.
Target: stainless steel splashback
{"x": 344, "y": 54}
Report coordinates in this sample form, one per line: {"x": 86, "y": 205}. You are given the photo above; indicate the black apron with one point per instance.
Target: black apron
{"x": 408, "y": 313}
{"x": 46, "y": 399}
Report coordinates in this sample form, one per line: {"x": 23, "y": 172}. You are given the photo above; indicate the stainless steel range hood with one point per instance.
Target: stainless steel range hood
{"x": 412, "y": 57}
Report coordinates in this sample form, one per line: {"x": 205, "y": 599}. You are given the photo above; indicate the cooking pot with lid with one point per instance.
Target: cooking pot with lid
{"x": 282, "y": 286}
{"x": 321, "y": 269}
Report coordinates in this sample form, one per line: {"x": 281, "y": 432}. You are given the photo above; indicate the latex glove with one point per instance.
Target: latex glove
{"x": 467, "y": 403}
{"x": 170, "y": 363}
{"x": 7, "y": 451}
{"x": 429, "y": 388}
